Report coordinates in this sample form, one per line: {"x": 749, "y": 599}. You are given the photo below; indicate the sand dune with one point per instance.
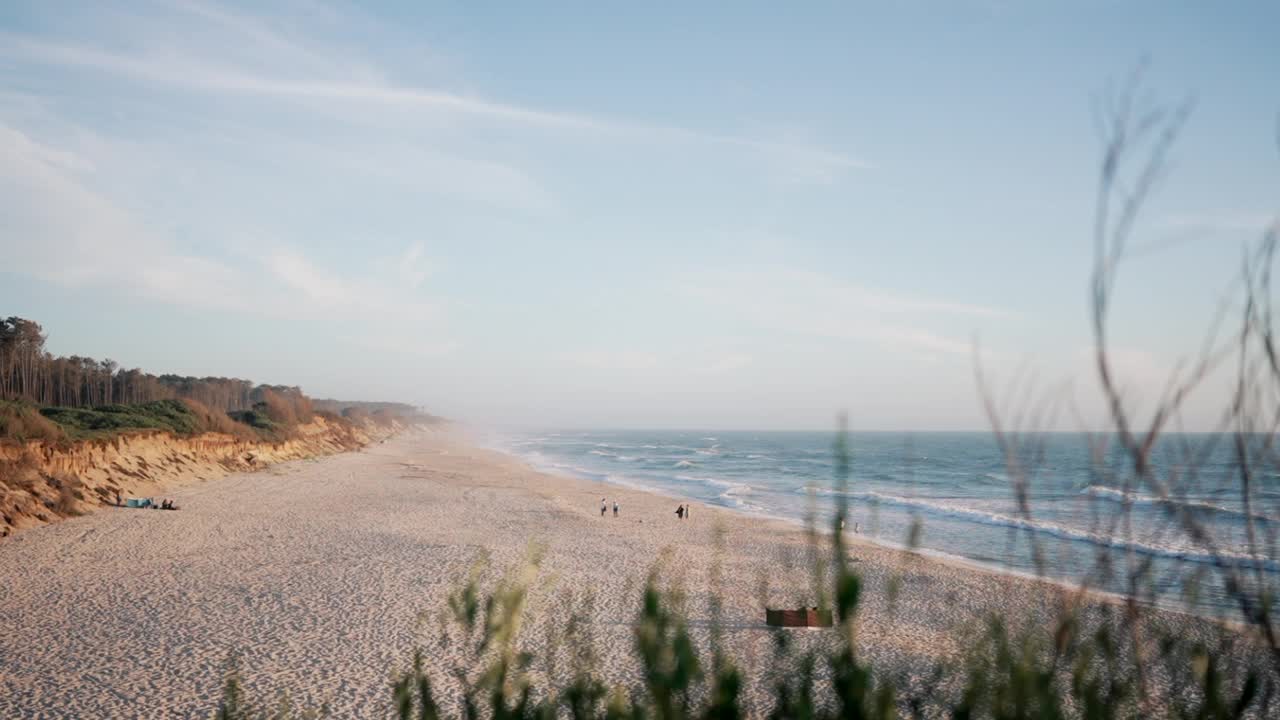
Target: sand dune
{"x": 316, "y": 572}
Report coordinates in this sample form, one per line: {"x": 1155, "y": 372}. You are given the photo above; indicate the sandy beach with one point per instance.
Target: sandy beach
{"x": 316, "y": 574}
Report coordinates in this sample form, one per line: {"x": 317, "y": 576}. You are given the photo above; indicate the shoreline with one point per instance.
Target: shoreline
{"x": 318, "y": 575}
{"x": 959, "y": 562}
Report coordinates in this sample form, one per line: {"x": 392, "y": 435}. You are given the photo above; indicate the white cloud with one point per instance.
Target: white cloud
{"x": 242, "y": 54}
{"x": 413, "y": 267}
{"x": 58, "y": 228}
{"x": 810, "y": 303}
{"x": 376, "y": 295}
{"x": 227, "y": 130}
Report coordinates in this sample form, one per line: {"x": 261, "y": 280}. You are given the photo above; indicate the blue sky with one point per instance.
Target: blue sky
{"x": 729, "y": 216}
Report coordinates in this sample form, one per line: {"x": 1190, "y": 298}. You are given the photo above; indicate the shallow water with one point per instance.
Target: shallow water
{"x": 956, "y": 489}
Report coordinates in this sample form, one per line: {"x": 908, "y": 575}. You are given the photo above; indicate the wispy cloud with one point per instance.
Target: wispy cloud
{"x": 66, "y": 232}
{"x": 810, "y": 303}
{"x": 155, "y": 193}
{"x": 348, "y": 291}
{"x": 302, "y": 69}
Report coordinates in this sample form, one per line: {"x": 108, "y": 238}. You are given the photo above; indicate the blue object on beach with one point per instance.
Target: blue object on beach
{"x": 138, "y": 502}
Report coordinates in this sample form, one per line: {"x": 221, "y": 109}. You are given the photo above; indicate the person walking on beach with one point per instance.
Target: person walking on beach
{"x": 603, "y": 506}
{"x": 615, "y": 508}
{"x": 680, "y": 511}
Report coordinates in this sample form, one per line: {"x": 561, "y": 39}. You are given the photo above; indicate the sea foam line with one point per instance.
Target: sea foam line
{"x": 1117, "y": 495}
{"x": 1190, "y": 554}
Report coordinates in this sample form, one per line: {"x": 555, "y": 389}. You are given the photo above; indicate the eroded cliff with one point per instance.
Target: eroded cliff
{"x": 41, "y": 482}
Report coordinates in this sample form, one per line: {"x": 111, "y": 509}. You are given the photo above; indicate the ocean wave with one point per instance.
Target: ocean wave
{"x": 747, "y": 506}
{"x": 731, "y": 490}
{"x": 824, "y": 462}
{"x": 686, "y": 464}
{"x": 730, "y": 484}
{"x": 983, "y": 517}
{"x": 1117, "y": 495}
{"x": 601, "y": 453}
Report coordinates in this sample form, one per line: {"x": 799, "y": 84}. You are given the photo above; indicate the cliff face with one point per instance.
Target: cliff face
{"x": 42, "y": 483}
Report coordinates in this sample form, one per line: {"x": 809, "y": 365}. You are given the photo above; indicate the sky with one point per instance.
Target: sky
{"x": 661, "y": 215}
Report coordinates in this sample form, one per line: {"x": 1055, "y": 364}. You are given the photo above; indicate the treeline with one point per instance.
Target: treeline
{"x": 28, "y": 372}
{"x": 44, "y": 396}
{"x": 343, "y": 406}
{"x": 379, "y": 412}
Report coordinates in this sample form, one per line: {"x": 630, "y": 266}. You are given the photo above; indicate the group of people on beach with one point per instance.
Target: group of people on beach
{"x": 682, "y": 511}
{"x": 165, "y": 504}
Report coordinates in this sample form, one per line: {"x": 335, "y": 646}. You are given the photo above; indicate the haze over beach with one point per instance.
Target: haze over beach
{"x": 404, "y": 360}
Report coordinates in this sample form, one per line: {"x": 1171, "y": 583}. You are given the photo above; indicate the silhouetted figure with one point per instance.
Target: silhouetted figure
{"x": 615, "y": 508}
{"x": 603, "y": 506}
{"x": 680, "y": 511}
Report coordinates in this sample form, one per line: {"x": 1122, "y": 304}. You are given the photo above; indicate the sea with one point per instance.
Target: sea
{"x": 955, "y": 495}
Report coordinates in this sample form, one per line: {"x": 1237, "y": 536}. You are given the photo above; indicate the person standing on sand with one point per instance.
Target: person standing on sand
{"x": 680, "y": 511}
{"x": 603, "y": 507}
{"x": 615, "y": 508}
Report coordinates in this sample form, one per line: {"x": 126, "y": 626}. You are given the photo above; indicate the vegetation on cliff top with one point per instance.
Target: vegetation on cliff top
{"x": 171, "y": 415}
{"x": 22, "y": 422}
{"x": 53, "y": 398}
{"x": 273, "y": 419}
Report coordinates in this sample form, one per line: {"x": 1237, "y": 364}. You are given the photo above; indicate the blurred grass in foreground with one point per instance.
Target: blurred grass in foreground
{"x": 1066, "y": 669}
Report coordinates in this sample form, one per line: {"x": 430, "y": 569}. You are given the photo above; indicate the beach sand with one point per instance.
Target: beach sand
{"x": 316, "y": 574}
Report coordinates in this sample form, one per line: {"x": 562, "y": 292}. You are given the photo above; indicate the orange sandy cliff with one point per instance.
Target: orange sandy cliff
{"x": 42, "y": 482}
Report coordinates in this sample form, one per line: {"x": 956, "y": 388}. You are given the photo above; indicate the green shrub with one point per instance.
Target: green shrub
{"x": 180, "y": 417}
{"x": 169, "y": 415}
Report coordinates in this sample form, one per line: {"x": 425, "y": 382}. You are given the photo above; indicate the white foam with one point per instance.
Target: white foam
{"x": 1180, "y": 552}
{"x": 1103, "y": 492}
